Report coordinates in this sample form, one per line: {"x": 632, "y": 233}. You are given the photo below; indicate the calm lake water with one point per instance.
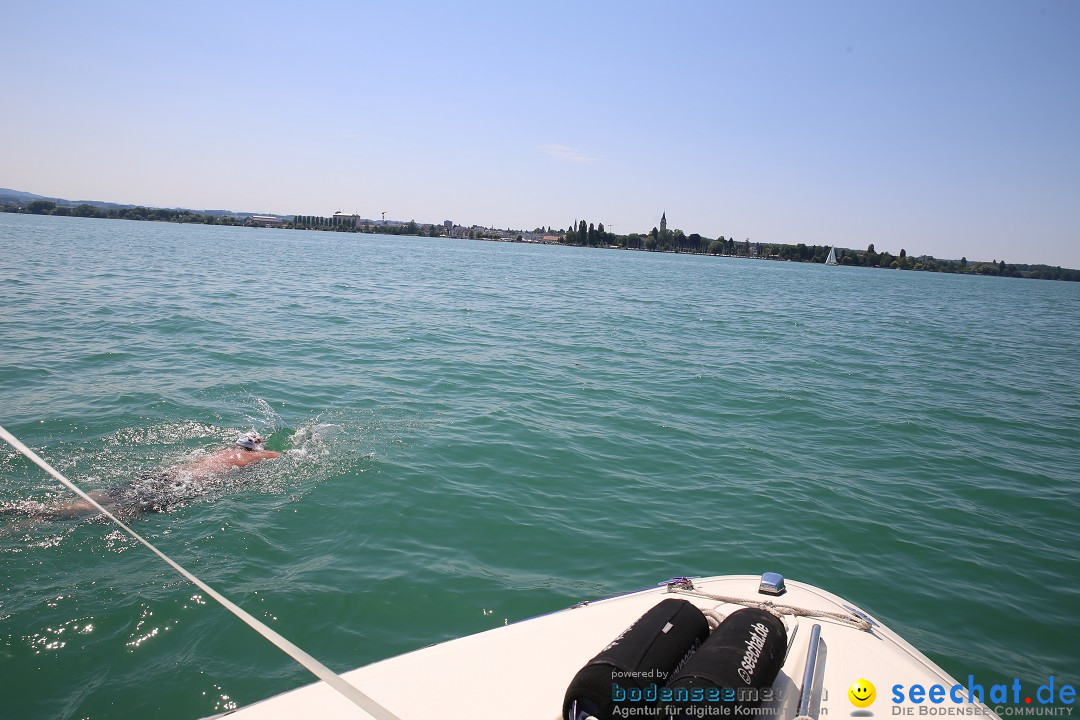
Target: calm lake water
{"x": 476, "y": 433}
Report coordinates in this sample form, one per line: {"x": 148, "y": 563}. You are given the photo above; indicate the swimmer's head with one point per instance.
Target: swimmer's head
{"x": 249, "y": 441}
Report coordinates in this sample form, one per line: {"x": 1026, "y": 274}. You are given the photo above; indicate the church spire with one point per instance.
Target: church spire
{"x": 663, "y": 222}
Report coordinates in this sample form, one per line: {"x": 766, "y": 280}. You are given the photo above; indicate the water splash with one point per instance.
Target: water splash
{"x": 265, "y": 418}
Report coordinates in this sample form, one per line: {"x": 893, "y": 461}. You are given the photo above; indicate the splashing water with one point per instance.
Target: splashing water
{"x": 265, "y": 417}
{"x": 140, "y": 470}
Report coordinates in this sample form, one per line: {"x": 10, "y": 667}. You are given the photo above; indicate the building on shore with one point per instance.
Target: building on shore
{"x": 265, "y": 221}
{"x": 341, "y": 218}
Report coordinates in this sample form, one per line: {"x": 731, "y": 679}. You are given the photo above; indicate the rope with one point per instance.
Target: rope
{"x": 320, "y": 671}
{"x": 771, "y": 607}
{"x": 713, "y": 618}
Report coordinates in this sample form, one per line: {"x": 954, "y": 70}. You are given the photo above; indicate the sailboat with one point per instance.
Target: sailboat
{"x": 831, "y": 260}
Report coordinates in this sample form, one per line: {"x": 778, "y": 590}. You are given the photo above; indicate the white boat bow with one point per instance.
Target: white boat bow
{"x": 523, "y": 670}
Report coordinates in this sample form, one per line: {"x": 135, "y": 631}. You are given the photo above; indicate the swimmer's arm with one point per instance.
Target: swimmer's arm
{"x": 266, "y": 454}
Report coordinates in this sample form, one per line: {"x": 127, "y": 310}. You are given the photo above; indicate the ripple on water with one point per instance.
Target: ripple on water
{"x": 476, "y": 433}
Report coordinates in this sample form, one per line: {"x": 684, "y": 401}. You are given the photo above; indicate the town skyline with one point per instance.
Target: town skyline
{"x": 580, "y": 233}
{"x": 946, "y": 129}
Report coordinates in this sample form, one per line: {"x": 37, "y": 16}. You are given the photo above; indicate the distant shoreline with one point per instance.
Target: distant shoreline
{"x": 667, "y": 241}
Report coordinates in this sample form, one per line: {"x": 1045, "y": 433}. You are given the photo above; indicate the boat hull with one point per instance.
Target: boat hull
{"x": 523, "y": 670}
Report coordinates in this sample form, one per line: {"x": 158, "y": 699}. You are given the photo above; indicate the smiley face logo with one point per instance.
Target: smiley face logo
{"x": 862, "y": 693}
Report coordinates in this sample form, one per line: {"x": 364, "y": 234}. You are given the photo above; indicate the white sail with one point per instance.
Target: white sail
{"x": 832, "y": 257}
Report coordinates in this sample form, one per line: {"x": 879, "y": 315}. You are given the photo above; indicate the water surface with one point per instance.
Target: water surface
{"x": 475, "y": 433}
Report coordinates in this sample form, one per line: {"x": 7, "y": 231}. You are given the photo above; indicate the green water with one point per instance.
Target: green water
{"x": 476, "y": 433}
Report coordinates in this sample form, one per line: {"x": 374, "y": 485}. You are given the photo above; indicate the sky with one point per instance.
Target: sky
{"x": 946, "y": 128}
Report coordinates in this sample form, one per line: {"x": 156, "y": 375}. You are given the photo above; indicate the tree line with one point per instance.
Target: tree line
{"x": 872, "y": 258}
{"x": 297, "y": 222}
{"x": 47, "y": 207}
{"x": 585, "y": 234}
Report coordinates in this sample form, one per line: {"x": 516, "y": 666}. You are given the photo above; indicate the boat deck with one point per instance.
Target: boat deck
{"x": 523, "y": 670}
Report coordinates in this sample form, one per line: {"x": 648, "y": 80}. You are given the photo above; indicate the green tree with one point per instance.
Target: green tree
{"x": 42, "y": 207}
{"x": 870, "y": 258}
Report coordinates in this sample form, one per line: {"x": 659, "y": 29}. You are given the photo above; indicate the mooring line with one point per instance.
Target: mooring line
{"x": 320, "y": 671}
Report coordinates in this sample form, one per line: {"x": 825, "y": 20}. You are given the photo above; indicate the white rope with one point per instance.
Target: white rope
{"x": 714, "y": 618}
{"x": 320, "y": 671}
{"x": 776, "y": 608}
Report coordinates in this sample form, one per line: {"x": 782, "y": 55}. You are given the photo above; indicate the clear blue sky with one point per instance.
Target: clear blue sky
{"x": 946, "y": 128}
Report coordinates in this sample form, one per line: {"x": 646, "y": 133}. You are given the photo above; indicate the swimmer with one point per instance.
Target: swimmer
{"x": 245, "y": 451}
{"x": 149, "y": 493}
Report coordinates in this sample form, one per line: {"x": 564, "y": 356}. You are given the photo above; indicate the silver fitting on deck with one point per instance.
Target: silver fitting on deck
{"x": 771, "y": 584}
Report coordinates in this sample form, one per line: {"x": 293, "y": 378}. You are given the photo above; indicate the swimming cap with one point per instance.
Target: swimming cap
{"x": 249, "y": 441}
